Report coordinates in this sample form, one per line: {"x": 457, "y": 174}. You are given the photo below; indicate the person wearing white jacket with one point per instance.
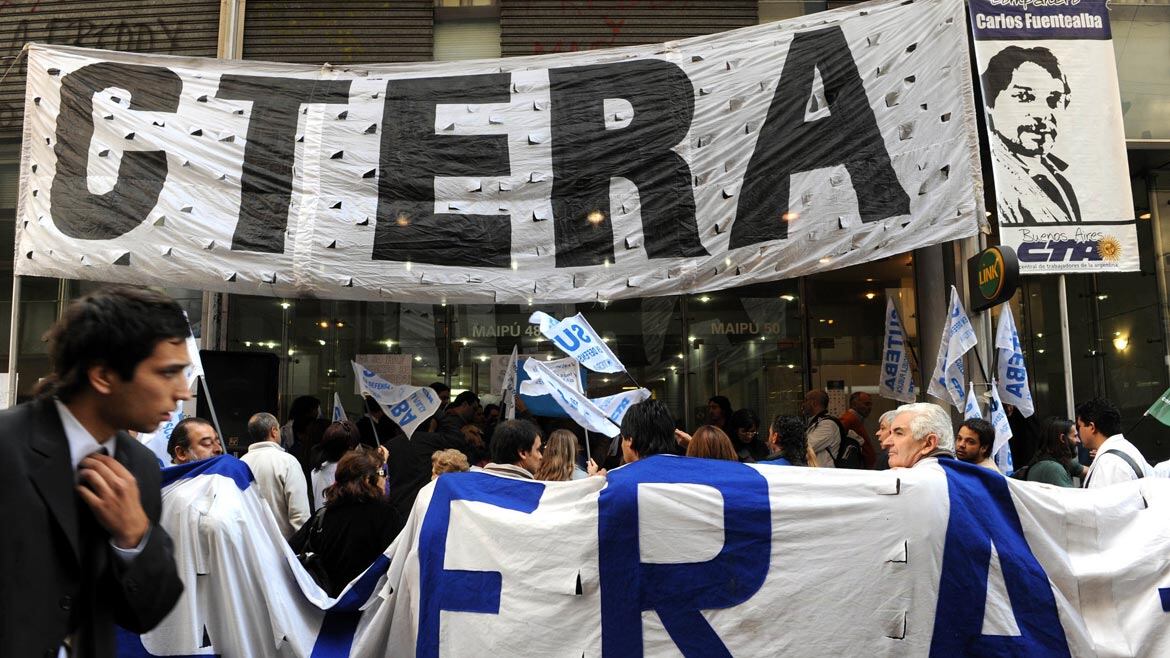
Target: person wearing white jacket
{"x": 279, "y": 478}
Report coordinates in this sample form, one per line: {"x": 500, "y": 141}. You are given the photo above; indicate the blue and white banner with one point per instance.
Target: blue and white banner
{"x": 615, "y": 406}
{"x": 580, "y": 408}
{"x": 971, "y": 409}
{"x": 576, "y": 338}
{"x": 1012, "y": 370}
{"x": 947, "y": 381}
{"x": 338, "y": 410}
{"x": 670, "y": 556}
{"x": 1056, "y": 134}
{"x": 897, "y": 377}
{"x": 408, "y": 406}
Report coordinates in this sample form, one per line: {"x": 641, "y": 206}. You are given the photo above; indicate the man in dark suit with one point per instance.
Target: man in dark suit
{"x": 82, "y": 548}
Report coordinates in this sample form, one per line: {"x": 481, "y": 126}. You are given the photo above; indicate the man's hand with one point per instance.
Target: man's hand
{"x": 112, "y": 493}
{"x": 593, "y": 469}
{"x": 682, "y": 438}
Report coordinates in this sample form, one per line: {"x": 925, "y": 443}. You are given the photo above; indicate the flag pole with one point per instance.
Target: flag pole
{"x": 211, "y": 406}
{"x": 1066, "y": 348}
{"x": 14, "y": 340}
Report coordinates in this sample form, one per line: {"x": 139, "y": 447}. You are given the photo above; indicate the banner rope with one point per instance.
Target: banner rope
{"x": 16, "y": 60}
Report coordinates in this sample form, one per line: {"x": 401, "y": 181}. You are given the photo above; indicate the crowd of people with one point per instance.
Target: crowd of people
{"x": 85, "y": 495}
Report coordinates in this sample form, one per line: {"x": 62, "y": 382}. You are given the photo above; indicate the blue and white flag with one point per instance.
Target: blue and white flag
{"x": 949, "y": 377}
{"x": 897, "y": 377}
{"x": 338, "y": 410}
{"x": 576, "y": 338}
{"x": 615, "y": 406}
{"x": 971, "y": 410}
{"x": 406, "y": 405}
{"x": 999, "y": 420}
{"x": 1012, "y": 371}
{"x": 580, "y": 408}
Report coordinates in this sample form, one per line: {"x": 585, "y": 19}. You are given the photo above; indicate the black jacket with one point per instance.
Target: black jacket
{"x": 409, "y": 465}
{"x": 61, "y": 575}
{"x": 353, "y": 534}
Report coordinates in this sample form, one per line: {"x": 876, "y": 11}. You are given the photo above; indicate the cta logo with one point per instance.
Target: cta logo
{"x": 1082, "y": 246}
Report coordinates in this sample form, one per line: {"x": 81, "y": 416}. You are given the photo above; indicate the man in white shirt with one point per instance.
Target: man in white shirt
{"x": 1117, "y": 460}
{"x": 279, "y": 478}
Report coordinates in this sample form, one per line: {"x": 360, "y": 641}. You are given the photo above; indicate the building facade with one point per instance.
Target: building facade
{"x": 762, "y": 346}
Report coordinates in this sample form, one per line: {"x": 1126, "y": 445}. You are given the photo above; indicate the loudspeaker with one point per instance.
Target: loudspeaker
{"x": 241, "y": 384}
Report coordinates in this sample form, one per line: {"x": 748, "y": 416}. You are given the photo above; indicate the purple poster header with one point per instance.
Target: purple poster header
{"x": 1006, "y": 20}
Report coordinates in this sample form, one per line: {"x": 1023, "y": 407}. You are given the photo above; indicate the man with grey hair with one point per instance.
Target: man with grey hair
{"x": 919, "y": 431}
{"x": 279, "y": 478}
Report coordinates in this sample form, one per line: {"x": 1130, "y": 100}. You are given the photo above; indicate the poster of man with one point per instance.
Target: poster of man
{"x": 1027, "y": 95}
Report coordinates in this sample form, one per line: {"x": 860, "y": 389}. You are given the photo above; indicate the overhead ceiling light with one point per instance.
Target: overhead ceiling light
{"x": 870, "y": 295}
{"x": 787, "y": 298}
{"x": 704, "y": 299}
{"x": 285, "y": 305}
{"x": 1145, "y": 215}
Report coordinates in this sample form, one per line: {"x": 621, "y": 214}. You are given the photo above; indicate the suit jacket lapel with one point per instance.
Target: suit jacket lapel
{"x": 51, "y": 472}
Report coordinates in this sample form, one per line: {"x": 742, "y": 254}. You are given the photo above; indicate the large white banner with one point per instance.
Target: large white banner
{"x": 1055, "y": 129}
{"x": 674, "y": 556}
{"x": 763, "y": 153}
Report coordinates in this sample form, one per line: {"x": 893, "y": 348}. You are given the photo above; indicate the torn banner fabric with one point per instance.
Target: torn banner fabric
{"x": 753, "y": 155}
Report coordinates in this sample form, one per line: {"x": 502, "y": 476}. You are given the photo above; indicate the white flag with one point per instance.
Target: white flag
{"x": 408, "y": 406}
{"x": 338, "y": 410}
{"x": 972, "y": 408}
{"x": 615, "y": 406}
{"x": 576, "y": 338}
{"x": 897, "y": 380}
{"x": 947, "y": 381}
{"x": 508, "y": 386}
{"x": 192, "y": 354}
{"x": 1003, "y": 429}
{"x": 1012, "y": 372}
{"x": 566, "y": 369}
{"x": 580, "y": 408}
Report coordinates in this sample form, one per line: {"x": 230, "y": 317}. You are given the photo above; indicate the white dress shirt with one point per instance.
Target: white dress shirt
{"x": 1110, "y": 469}
{"x": 281, "y": 483}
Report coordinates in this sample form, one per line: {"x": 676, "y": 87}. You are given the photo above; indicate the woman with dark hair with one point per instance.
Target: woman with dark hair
{"x": 1055, "y": 461}
{"x": 719, "y": 412}
{"x": 340, "y": 437}
{"x": 710, "y": 442}
{"x": 356, "y": 524}
{"x": 744, "y": 430}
